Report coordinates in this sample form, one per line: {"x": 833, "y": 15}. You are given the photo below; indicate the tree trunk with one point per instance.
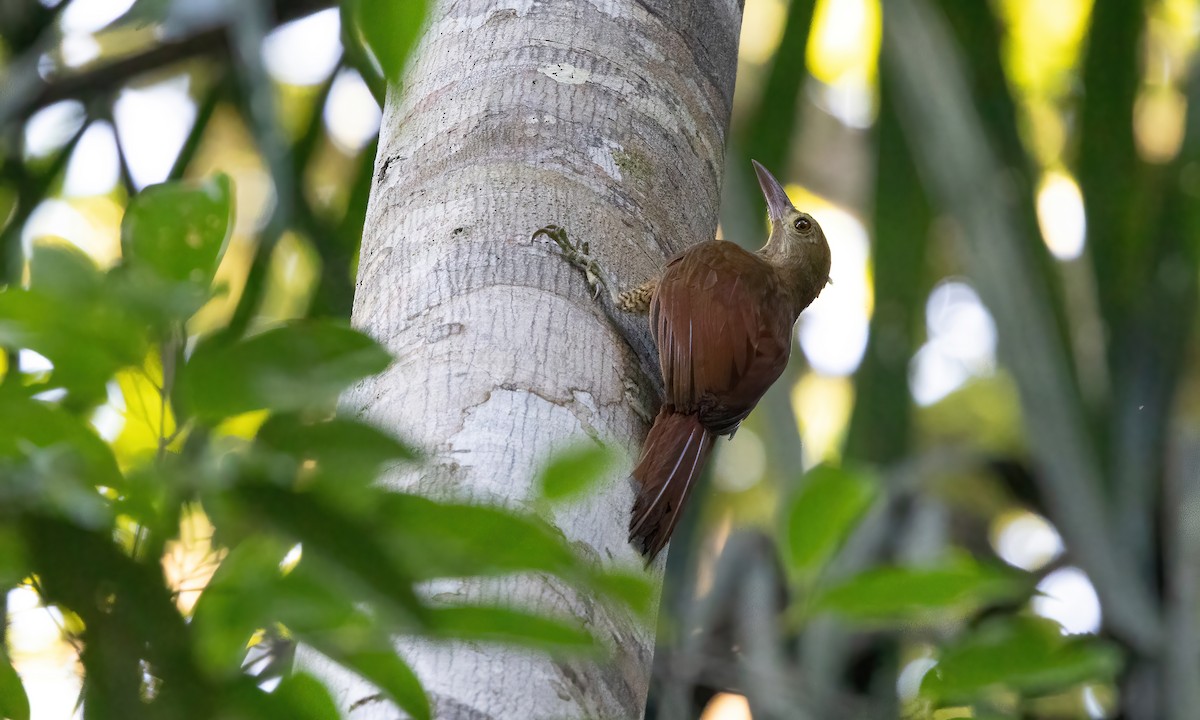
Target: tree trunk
{"x": 607, "y": 117}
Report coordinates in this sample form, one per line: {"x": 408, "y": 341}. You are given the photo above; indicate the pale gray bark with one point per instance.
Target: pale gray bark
{"x": 607, "y": 117}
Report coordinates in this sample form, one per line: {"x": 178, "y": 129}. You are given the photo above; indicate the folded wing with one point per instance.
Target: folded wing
{"x": 722, "y": 336}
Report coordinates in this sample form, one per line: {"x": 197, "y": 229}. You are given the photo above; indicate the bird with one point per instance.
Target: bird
{"x": 721, "y": 318}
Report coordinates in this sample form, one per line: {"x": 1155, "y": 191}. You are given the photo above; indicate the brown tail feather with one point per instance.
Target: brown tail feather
{"x": 674, "y": 456}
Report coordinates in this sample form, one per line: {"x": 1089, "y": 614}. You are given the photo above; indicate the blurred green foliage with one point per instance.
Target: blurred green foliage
{"x": 1025, "y": 654}
{"x": 825, "y": 510}
{"x": 230, "y": 427}
{"x": 305, "y": 480}
{"x": 387, "y": 31}
{"x": 879, "y": 563}
{"x": 975, "y": 112}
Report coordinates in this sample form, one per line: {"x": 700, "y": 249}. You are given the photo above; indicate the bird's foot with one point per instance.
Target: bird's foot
{"x": 632, "y": 327}
{"x": 579, "y": 255}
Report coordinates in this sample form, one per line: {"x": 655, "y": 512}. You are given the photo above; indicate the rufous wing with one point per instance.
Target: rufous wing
{"x": 722, "y": 335}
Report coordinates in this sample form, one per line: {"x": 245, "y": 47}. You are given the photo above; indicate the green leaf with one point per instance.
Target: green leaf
{"x": 341, "y": 448}
{"x": 455, "y": 540}
{"x": 179, "y": 229}
{"x": 87, "y": 340}
{"x": 89, "y": 324}
{"x": 55, "y": 481}
{"x": 327, "y": 617}
{"x": 303, "y": 697}
{"x": 350, "y": 546}
{"x": 507, "y": 625}
{"x": 14, "y": 565}
{"x": 64, "y": 271}
{"x": 14, "y": 703}
{"x": 236, "y": 602}
{"x": 1027, "y": 654}
{"x": 441, "y": 539}
{"x": 129, "y": 615}
{"x": 162, "y": 303}
{"x": 632, "y": 588}
{"x": 572, "y": 471}
{"x": 248, "y": 592}
{"x": 300, "y": 365}
{"x": 308, "y": 604}
{"x": 955, "y": 587}
{"x": 27, "y": 424}
{"x": 385, "y": 669}
{"x": 822, "y": 514}
{"x": 388, "y": 30}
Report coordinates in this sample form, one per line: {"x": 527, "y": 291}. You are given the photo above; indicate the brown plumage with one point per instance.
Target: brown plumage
{"x": 722, "y": 320}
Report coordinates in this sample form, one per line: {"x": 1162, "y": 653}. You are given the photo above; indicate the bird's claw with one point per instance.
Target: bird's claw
{"x": 558, "y": 234}
{"x": 579, "y": 256}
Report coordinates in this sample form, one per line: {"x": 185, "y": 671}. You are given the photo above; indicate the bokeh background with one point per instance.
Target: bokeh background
{"x": 901, "y": 379}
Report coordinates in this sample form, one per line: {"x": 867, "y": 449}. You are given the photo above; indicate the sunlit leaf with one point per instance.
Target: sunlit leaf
{"x": 822, "y": 514}
{"x": 955, "y": 586}
{"x": 572, "y": 471}
{"x": 14, "y": 703}
{"x": 148, "y": 418}
{"x": 844, "y": 45}
{"x": 244, "y": 425}
{"x": 388, "y": 30}
{"x": 179, "y": 229}
{"x": 1027, "y": 654}
{"x": 296, "y": 366}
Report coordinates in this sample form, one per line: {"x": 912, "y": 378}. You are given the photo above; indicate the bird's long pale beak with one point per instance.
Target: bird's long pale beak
{"x": 778, "y": 203}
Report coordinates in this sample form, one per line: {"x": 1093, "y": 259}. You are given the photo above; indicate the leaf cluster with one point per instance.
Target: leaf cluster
{"x": 239, "y": 431}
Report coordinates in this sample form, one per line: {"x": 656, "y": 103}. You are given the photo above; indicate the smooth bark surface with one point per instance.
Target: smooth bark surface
{"x": 605, "y": 117}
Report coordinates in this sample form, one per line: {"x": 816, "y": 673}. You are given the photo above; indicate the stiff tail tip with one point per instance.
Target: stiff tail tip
{"x": 675, "y": 452}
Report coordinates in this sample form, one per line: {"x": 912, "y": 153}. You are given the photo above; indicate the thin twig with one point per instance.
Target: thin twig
{"x": 122, "y": 160}
{"x": 204, "y": 114}
{"x": 23, "y": 90}
{"x": 69, "y": 637}
{"x": 257, "y": 92}
{"x": 107, "y": 78}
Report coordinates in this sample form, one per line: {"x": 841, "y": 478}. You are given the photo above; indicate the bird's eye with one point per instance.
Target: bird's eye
{"x": 803, "y": 224}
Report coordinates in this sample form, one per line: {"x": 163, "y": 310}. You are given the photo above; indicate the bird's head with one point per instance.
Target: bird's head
{"x": 787, "y": 223}
{"x": 796, "y": 237}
